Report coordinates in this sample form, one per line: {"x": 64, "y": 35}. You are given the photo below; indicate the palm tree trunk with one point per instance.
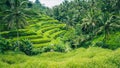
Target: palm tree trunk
{"x": 105, "y": 36}
{"x": 18, "y": 39}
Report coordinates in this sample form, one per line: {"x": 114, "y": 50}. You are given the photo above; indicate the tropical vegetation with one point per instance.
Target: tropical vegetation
{"x": 74, "y": 34}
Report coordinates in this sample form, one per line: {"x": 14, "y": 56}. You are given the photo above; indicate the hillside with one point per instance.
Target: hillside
{"x": 42, "y": 32}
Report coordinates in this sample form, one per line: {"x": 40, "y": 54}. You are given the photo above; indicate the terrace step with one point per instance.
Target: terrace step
{"x": 12, "y": 34}
{"x": 40, "y": 45}
{"x": 47, "y": 33}
{"x": 59, "y": 33}
{"x": 40, "y": 41}
{"x": 51, "y": 27}
{"x": 30, "y": 37}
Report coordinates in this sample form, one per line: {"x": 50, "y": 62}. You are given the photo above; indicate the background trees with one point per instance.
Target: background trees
{"x": 86, "y": 13}
{"x": 89, "y": 17}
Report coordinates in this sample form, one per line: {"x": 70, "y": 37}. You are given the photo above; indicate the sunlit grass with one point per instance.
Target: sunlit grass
{"x": 92, "y": 57}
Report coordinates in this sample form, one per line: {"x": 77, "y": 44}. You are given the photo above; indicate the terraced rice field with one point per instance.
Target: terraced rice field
{"x": 41, "y": 34}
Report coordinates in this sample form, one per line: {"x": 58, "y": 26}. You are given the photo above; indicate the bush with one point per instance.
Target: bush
{"x": 47, "y": 49}
{"x": 4, "y": 45}
{"x": 60, "y": 48}
{"x": 56, "y": 45}
{"x": 113, "y": 42}
{"x": 23, "y": 45}
{"x": 100, "y": 43}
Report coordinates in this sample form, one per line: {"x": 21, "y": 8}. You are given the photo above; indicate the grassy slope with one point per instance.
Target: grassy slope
{"x": 92, "y": 57}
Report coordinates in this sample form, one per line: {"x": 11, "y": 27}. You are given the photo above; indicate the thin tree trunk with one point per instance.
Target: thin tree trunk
{"x": 18, "y": 39}
{"x": 105, "y": 37}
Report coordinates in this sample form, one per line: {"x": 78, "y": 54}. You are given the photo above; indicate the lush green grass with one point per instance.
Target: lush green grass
{"x": 92, "y": 57}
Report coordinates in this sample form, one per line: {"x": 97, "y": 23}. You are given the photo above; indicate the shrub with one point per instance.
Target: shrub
{"x": 23, "y": 45}
{"x": 111, "y": 43}
{"x": 4, "y": 45}
{"x": 56, "y": 45}
{"x": 47, "y": 49}
{"x": 114, "y": 41}
{"x": 99, "y": 43}
{"x": 60, "y": 47}
{"x": 69, "y": 35}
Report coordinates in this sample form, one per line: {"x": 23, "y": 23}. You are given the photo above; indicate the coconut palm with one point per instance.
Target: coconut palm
{"x": 109, "y": 23}
{"x": 15, "y": 17}
{"x": 90, "y": 22}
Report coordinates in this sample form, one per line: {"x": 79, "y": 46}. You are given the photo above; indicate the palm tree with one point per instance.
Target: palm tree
{"x": 15, "y": 17}
{"x": 90, "y": 22}
{"x": 109, "y": 22}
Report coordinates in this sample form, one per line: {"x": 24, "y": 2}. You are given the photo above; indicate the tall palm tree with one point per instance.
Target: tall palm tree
{"x": 15, "y": 17}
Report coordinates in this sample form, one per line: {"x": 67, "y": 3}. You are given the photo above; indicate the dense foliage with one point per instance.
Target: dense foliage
{"x": 90, "y": 18}
{"x": 4, "y": 45}
{"x": 75, "y": 11}
{"x": 24, "y": 45}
